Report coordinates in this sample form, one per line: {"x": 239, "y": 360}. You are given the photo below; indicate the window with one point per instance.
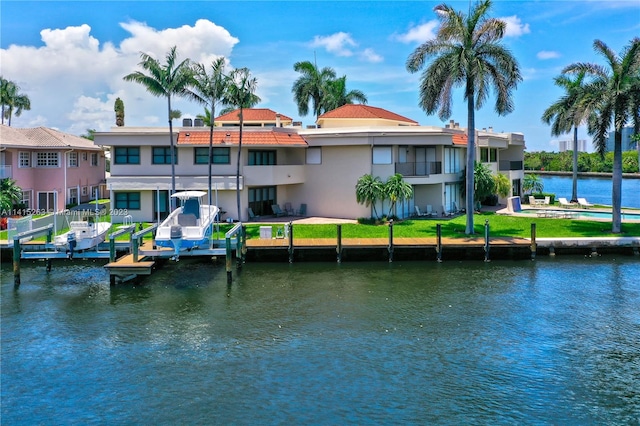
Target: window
{"x": 452, "y": 160}
{"x": 26, "y": 199}
{"x": 73, "y": 159}
{"x": 127, "y": 155}
{"x": 162, "y": 155}
{"x": 94, "y": 159}
{"x": 47, "y": 159}
{"x": 314, "y": 155}
{"x": 128, "y": 200}
{"x": 73, "y": 196}
{"x": 85, "y": 190}
{"x": 381, "y": 155}
{"x": 262, "y": 158}
{"x": 488, "y": 155}
{"x": 261, "y": 199}
{"x": 219, "y": 155}
{"x": 24, "y": 159}
{"x": 84, "y": 156}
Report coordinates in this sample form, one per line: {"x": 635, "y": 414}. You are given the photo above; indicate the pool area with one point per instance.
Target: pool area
{"x": 578, "y": 214}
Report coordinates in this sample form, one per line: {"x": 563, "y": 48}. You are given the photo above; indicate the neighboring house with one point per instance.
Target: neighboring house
{"x": 503, "y": 153}
{"x": 316, "y": 166}
{"x": 53, "y": 169}
{"x": 254, "y": 117}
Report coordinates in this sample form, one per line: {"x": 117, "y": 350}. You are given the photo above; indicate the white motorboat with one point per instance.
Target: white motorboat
{"x": 188, "y": 226}
{"x": 84, "y": 234}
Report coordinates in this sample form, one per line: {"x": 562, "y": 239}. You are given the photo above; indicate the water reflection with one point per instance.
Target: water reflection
{"x": 550, "y": 341}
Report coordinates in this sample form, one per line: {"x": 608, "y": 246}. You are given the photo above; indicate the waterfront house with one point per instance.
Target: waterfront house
{"x": 286, "y": 164}
{"x": 53, "y": 169}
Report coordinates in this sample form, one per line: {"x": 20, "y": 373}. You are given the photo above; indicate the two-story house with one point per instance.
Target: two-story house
{"x": 283, "y": 163}
{"x": 53, "y": 169}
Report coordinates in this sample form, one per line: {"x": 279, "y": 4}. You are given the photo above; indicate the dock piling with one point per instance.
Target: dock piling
{"x": 339, "y": 244}
{"x": 290, "y": 225}
{"x": 439, "y": 242}
{"x": 533, "y": 241}
{"x": 390, "y": 247}
{"x": 486, "y": 241}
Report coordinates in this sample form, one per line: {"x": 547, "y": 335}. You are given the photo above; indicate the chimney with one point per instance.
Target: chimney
{"x": 278, "y": 124}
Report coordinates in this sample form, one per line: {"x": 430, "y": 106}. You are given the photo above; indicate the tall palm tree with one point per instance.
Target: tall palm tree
{"x": 209, "y": 89}
{"x": 12, "y": 99}
{"x": 614, "y": 92}
{"x": 337, "y": 95}
{"x": 240, "y": 93}
{"x": 165, "y": 80}
{"x": 570, "y": 111}
{"x": 466, "y": 52}
{"x": 311, "y": 86}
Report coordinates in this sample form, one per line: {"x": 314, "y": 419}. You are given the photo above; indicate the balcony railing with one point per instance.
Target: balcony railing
{"x": 5, "y": 172}
{"x": 419, "y": 168}
{"x": 510, "y": 165}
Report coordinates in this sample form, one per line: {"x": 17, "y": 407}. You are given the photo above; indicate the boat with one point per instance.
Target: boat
{"x": 189, "y": 226}
{"x": 84, "y": 234}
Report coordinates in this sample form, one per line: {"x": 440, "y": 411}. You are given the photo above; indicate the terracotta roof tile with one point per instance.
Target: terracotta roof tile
{"x": 365, "y": 111}
{"x": 249, "y": 137}
{"x": 459, "y": 139}
{"x": 253, "y": 114}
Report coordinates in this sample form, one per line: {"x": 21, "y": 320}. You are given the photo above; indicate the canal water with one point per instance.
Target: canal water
{"x": 555, "y": 341}
{"x": 595, "y": 190}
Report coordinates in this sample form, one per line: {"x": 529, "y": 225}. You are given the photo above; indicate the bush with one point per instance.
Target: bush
{"x": 491, "y": 200}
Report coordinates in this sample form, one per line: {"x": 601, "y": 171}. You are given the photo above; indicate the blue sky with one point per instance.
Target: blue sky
{"x": 69, "y": 57}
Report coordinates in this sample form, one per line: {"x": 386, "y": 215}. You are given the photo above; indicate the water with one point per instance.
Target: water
{"x": 555, "y": 341}
{"x": 595, "y": 190}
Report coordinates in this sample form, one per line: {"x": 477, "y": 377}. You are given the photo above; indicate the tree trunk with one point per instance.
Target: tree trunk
{"x": 616, "y": 192}
{"x": 574, "y": 191}
{"x": 238, "y": 165}
{"x": 471, "y": 158}
{"x": 173, "y": 160}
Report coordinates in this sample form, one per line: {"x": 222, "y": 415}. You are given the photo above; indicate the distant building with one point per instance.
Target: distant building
{"x": 564, "y": 146}
{"x": 627, "y": 145}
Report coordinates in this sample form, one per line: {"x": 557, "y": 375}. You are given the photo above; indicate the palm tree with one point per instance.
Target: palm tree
{"x": 11, "y": 99}
{"x": 240, "y": 93}
{"x": 165, "y": 80}
{"x": 369, "y": 190}
{"x": 503, "y": 185}
{"x": 311, "y": 86}
{"x": 396, "y": 189}
{"x": 570, "y": 111}
{"x": 10, "y": 194}
{"x": 209, "y": 89}
{"x": 337, "y": 95}
{"x": 466, "y": 52}
{"x": 532, "y": 184}
{"x": 614, "y": 92}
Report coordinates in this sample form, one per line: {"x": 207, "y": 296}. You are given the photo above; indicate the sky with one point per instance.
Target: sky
{"x": 70, "y": 57}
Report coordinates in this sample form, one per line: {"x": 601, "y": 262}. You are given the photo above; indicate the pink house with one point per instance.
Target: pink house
{"x": 53, "y": 169}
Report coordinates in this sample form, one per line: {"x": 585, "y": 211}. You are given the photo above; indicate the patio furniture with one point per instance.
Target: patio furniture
{"x": 252, "y": 216}
{"x": 288, "y": 209}
{"x": 431, "y": 212}
{"x": 564, "y": 203}
{"x": 419, "y": 213}
{"x": 584, "y": 203}
{"x": 277, "y": 210}
{"x": 302, "y": 211}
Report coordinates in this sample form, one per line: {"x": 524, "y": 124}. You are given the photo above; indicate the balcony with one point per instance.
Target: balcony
{"x": 419, "y": 169}
{"x": 510, "y": 165}
{"x": 5, "y": 172}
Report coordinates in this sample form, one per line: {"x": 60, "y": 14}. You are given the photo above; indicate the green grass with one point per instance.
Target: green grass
{"x": 499, "y": 226}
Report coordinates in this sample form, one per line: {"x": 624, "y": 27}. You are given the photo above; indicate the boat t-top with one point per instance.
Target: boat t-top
{"x": 188, "y": 226}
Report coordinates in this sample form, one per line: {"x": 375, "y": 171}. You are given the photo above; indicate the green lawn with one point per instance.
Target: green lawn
{"x": 499, "y": 225}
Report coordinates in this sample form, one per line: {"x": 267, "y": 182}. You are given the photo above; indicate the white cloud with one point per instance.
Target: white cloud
{"x": 73, "y": 79}
{"x": 338, "y": 43}
{"x": 515, "y": 27}
{"x": 419, "y": 33}
{"x": 547, "y": 54}
{"x": 369, "y": 55}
